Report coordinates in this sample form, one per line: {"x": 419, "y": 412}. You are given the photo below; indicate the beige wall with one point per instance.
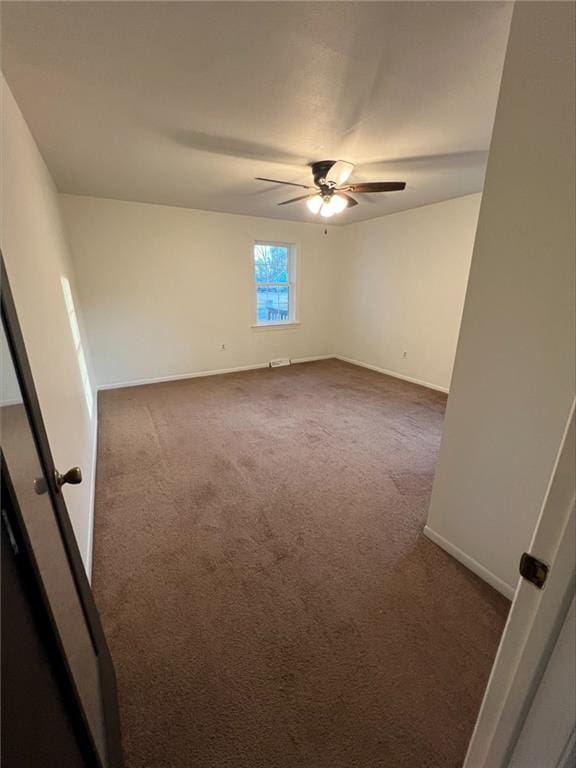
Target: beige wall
{"x": 9, "y": 388}
{"x": 513, "y": 379}
{"x": 162, "y": 288}
{"x": 148, "y": 277}
{"x": 36, "y": 255}
{"x": 401, "y": 285}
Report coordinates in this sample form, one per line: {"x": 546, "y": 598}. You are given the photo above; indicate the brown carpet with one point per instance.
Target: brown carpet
{"x": 268, "y": 595}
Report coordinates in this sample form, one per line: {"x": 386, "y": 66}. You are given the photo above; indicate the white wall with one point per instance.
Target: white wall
{"x": 9, "y": 388}
{"x": 513, "y": 379}
{"x": 162, "y": 287}
{"x": 401, "y": 286}
{"x": 148, "y": 276}
{"x": 36, "y": 257}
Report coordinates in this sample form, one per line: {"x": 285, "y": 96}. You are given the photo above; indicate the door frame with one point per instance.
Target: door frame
{"x": 535, "y": 619}
{"x": 14, "y": 528}
{"x": 23, "y": 371}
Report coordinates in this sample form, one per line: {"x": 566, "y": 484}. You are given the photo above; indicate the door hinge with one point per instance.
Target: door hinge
{"x": 533, "y": 570}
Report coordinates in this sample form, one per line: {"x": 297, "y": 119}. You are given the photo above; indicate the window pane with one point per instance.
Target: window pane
{"x": 272, "y": 303}
{"x": 271, "y": 263}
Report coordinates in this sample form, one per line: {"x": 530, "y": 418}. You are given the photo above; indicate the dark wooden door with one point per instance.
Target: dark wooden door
{"x": 37, "y": 712}
{"x": 48, "y": 587}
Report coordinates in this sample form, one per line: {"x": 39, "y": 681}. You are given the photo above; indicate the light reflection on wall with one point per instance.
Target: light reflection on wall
{"x": 75, "y": 328}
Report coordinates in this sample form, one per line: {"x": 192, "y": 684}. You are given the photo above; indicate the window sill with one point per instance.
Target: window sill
{"x": 275, "y": 326}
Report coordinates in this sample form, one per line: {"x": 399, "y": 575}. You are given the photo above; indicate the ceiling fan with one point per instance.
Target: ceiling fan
{"x": 330, "y": 194}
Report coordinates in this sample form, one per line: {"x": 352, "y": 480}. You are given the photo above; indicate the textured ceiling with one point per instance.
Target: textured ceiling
{"x": 185, "y": 103}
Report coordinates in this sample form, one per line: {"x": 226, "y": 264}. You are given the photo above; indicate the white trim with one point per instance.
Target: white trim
{"x": 92, "y": 503}
{"x": 470, "y": 563}
{"x": 179, "y": 376}
{"x": 276, "y": 326}
{"x": 7, "y": 403}
{"x": 277, "y": 243}
{"x": 395, "y": 374}
{"x": 313, "y": 359}
{"x": 239, "y": 368}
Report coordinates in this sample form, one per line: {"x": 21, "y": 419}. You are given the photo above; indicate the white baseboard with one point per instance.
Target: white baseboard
{"x": 197, "y": 374}
{"x": 179, "y": 376}
{"x": 295, "y": 360}
{"x": 92, "y": 503}
{"x": 6, "y": 403}
{"x": 395, "y": 374}
{"x": 470, "y": 563}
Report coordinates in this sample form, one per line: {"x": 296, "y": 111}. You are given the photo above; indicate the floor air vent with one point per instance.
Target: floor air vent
{"x": 279, "y": 362}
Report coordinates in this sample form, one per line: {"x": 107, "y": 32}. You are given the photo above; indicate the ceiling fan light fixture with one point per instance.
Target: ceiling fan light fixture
{"x": 329, "y": 196}
{"x": 314, "y": 204}
{"x": 327, "y": 210}
{"x": 338, "y": 203}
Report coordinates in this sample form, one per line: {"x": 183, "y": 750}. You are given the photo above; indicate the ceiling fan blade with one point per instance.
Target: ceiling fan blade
{"x": 340, "y": 172}
{"x": 351, "y": 201}
{"x": 376, "y": 186}
{"x": 289, "y": 183}
{"x": 295, "y": 199}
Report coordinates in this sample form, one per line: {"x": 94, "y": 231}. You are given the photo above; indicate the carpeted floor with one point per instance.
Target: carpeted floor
{"x": 268, "y": 595}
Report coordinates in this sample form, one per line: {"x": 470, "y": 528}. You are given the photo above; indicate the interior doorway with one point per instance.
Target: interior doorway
{"x": 58, "y": 681}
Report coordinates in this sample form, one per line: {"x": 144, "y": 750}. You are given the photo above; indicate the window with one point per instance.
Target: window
{"x": 274, "y": 274}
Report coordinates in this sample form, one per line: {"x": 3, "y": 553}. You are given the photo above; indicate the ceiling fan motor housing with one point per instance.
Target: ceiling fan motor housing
{"x": 320, "y": 170}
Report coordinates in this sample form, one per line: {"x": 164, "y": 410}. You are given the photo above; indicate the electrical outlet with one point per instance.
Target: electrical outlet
{"x": 404, "y": 355}
{"x": 223, "y": 347}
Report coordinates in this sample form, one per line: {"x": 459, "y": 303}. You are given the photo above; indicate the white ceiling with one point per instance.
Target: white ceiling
{"x": 185, "y": 103}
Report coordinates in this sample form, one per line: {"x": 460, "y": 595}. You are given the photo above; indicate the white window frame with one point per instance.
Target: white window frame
{"x": 292, "y": 284}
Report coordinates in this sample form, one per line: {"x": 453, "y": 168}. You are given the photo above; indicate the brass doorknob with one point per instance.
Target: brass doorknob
{"x": 73, "y": 477}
